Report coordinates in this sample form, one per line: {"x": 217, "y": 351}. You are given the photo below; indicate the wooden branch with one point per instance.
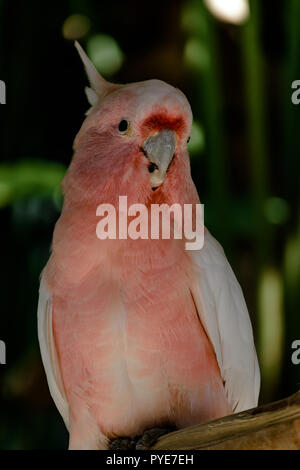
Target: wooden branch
{"x": 272, "y": 426}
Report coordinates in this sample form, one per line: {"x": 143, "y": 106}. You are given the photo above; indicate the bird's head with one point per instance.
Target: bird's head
{"x": 134, "y": 136}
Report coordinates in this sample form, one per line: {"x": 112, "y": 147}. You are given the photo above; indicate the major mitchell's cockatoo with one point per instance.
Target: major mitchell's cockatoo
{"x": 138, "y": 335}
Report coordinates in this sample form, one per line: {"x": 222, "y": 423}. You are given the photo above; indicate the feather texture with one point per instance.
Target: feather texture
{"x": 49, "y": 353}
{"x": 223, "y": 312}
{"x": 138, "y": 333}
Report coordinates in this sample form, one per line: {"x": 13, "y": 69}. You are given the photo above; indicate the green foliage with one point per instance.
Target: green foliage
{"x": 28, "y": 178}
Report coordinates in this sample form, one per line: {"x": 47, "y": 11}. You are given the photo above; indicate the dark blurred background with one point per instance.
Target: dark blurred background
{"x": 235, "y": 60}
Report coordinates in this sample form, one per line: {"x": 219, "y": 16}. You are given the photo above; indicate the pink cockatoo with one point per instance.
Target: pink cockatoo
{"x": 143, "y": 334}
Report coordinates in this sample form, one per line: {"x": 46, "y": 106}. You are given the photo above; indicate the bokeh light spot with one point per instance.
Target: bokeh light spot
{"x": 196, "y": 54}
{"x": 6, "y": 193}
{"x": 196, "y": 144}
{"x": 271, "y": 327}
{"x": 105, "y": 53}
{"x": 192, "y": 20}
{"x": 76, "y": 27}
{"x": 231, "y": 11}
{"x": 276, "y": 210}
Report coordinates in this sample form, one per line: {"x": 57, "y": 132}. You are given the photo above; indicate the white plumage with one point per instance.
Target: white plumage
{"x": 49, "y": 354}
{"x": 223, "y": 312}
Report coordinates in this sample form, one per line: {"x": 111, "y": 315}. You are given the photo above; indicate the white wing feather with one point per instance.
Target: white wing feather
{"x": 49, "y": 354}
{"x": 224, "y": 315}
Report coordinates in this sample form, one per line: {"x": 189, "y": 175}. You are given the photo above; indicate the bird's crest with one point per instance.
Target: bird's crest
{"x": 99, "y": 87}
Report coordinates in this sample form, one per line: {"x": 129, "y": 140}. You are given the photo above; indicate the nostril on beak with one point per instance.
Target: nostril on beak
{"x": 152, "y": 167}
{"x": 159, "y": 148}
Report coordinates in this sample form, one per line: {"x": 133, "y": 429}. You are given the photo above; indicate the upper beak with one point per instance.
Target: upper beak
{"x": 160, "y": 149}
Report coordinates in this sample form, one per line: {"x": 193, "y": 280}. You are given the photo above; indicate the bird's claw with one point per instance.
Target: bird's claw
{"x": 143, "y": 442}
{"x": 150, "y": 437}
{"x": 122, "y": 443}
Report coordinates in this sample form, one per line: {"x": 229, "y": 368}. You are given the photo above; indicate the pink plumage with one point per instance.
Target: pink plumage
{"x": 132, "y": 332}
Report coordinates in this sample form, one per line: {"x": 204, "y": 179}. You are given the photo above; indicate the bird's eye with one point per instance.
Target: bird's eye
{"x": 123, "y": 125}
{"x": 188, "y": 139}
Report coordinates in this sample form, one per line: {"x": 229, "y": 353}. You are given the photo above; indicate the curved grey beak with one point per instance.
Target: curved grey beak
{"x": 160, "y": 149}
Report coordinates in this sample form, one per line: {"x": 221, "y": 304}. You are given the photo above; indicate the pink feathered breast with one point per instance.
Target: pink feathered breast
{"x": 132, "y": 351}
{"x": 131, "y": 346}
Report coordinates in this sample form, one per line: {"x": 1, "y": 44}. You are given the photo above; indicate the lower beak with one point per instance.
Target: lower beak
{"x": 160, "y": 149}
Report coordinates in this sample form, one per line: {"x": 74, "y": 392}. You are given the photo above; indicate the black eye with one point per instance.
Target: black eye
{"x": 188, "y": 140}
{"x": 123, "y": 125}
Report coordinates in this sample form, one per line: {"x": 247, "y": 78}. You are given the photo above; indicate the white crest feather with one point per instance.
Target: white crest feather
{"x": 99, "y": 86}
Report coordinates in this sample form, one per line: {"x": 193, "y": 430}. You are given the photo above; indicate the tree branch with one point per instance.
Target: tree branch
{"x": 272, "y": 426}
